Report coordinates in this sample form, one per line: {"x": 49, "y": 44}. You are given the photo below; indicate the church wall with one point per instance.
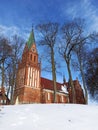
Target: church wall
{"x": 32, "y": 95}
{"x": 79, "y": 93}
{"x": 18, "y": 93}
{"x": 28, "y": 95}
{"x": 48, "y": 96}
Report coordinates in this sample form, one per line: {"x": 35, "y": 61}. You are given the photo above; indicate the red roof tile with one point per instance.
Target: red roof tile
{"x": 48, "y": 84}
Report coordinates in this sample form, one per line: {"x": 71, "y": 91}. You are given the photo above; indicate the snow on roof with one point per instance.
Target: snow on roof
{"x": 48, "y": 84}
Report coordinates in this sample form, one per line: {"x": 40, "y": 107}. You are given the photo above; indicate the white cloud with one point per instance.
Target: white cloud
{"x": 91, "y": 15}
{"x": 9, "y": 31}
{"x": 4, "y": 30}
{"x": 83, "y": 9}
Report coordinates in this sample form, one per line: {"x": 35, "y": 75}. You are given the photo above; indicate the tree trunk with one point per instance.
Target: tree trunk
{"x": 12, "y": 94}
{"x": 71, "y": 82}
{"x": 53, "y": 74}
{"x": 8, "y": 91}
{"x": 13, "y": 82}
{"x": 3, "y": 76}
{"x": 83, "y": 80}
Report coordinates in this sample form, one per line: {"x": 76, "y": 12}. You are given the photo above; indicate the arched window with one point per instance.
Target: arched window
{"x": 48, "y": 96}
{"x": 34, "y": 58}
{"x": 31, "y": 57}
{"x": 62, "y": 98}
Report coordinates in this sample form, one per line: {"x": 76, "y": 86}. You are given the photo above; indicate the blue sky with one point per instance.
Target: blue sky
{"x": 20, "y": 14}
{"x": 17, "y": 16}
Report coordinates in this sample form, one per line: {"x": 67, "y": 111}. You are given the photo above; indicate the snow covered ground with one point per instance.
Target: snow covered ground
{"x": 49, "y": 117}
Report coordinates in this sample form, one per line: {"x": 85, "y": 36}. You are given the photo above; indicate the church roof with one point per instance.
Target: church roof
{"x": 31, "y": 40}
{"x": 48, "y": 84}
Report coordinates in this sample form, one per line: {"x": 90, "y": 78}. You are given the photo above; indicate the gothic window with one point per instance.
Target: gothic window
{"x": 1, "y": 101}
{"x": 33, "y": 49}
{"x": 62, "y": 98}
{"x": 34, "y": 58}
{"x": 5, "y": 101}
{"x": 48, "y": 96}
{"x": 31, "y": 57}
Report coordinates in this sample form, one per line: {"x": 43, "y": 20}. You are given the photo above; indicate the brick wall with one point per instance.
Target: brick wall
{"x": 48, "y": 96}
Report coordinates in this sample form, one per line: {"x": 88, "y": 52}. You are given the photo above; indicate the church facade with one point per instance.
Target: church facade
{"x": 32, "y": 88}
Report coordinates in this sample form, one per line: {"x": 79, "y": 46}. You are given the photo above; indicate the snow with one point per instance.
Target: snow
{"x": 49, "y": 117}
{"x": 64, "y": 89}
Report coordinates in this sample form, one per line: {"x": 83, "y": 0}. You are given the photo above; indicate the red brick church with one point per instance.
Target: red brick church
{"x": 32, "y": 88}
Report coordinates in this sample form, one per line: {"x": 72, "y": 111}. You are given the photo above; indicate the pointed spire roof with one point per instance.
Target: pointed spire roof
{"x": 31, "y": 40}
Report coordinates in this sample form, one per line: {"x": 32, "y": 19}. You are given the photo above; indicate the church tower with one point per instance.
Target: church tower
{"x": 28, "y": 88}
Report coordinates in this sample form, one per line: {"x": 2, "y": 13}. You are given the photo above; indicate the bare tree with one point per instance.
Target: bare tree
{"x": 91, "y": 73}
{"x": 5, "y": 53}
{"x": 72, "y": 35}
{"x": 17, "y": 47}
{"x": 81, "y": 54}
{"x": 48, "y": 36}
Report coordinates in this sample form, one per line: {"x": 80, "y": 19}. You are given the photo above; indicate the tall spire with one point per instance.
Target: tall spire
{"x": 31, "y": 39}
